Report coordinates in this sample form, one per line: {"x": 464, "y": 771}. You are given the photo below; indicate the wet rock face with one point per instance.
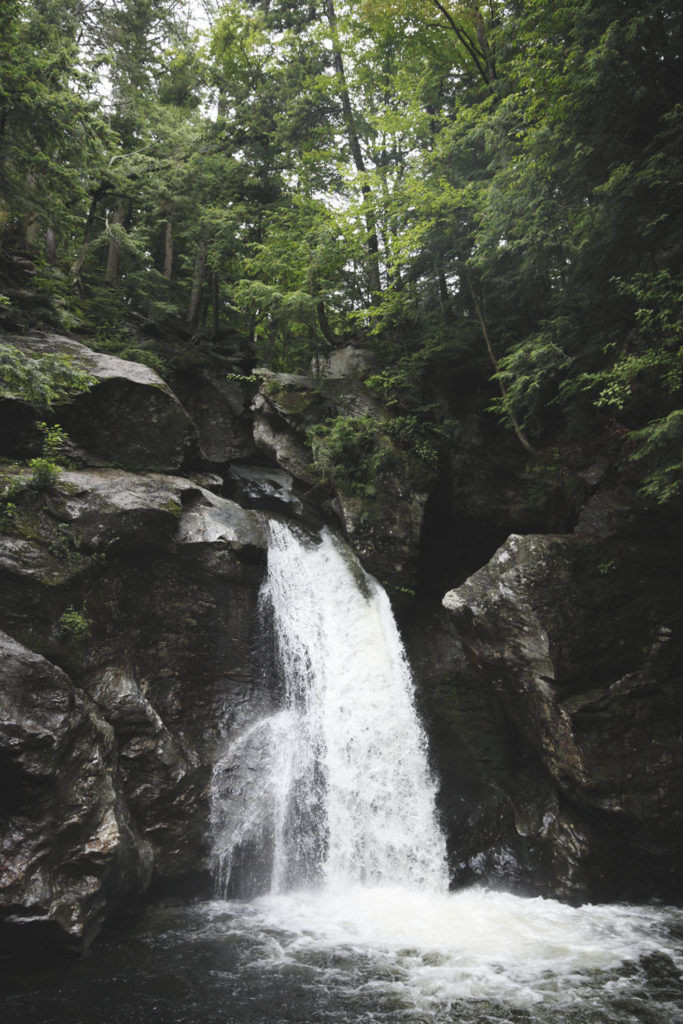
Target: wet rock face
{"x": 385, "y": 529}
{"x": 579, "y": 639}
{"x": 550, "y": 686}
{"x": 506, "y": 822}
{"x": 70, "y": 849}
{"x": 139, "y": 593}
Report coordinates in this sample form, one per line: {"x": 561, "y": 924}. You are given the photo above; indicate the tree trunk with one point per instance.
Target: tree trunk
{"x": 444, "y": 297}
{"x": 198, "y": 278}
{"x": 320, "y": 311}
{"x": 51, "y": 245}
{"x": 479, "y": 49}
{"x": 168, "y": 249}
{"x": 374, "y": 281}
{"x": 32, "y": 231}
{"x": 483, "y": 40}
{"x": 112, "y": 271}
{"x": 514, "y": 422}
{"x": 214, "y": 303}
{"x": 30, "y": 225}
{"x": 90, "y": 219}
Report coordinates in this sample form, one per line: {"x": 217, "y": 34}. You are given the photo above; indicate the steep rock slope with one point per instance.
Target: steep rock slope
{"x": 130, "y": 649}
{"x": 127, "y": 603}
{"x": 138, "y": 592}
{"x": 579, "y": 640}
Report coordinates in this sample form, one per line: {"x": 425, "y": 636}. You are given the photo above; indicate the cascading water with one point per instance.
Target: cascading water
{"x": 325, "y": 831}
{"x": 324, "y": 826}
{"x": 333, "y": 788}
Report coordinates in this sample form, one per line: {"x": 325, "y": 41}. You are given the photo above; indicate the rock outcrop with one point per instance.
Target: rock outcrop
{"x": 383, "y": 521}
{"x": 70, "y": 848}
{"x": 550, "y": 682}
{"x": 350, "y": 362}
{"x": 129, "y": 418}
{"x": 219, "y": 406}
{"x": 131, "y": 598}
{"x": 578, "y": 638}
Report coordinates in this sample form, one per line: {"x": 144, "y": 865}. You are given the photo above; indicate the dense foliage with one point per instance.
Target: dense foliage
{"x": 492, "y": 188}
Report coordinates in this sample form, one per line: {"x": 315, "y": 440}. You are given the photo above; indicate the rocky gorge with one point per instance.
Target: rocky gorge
{"x": 543, "y": 625}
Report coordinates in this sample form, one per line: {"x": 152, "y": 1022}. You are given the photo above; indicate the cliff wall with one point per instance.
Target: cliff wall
{"x": 549, "y": 678}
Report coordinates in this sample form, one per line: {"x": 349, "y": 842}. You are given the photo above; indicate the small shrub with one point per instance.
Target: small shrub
{"x": 355, "y": 451}
{"x": 243, "y": 378}
{"x": 10, "y": 489}
{"x": 74, "y": 626}
{"x": 55, "y": 441}
{"x": 7, "y": 513}
{"x": 45, "y": 470}
{"x": 174, "y": 507}
{"x": 44, "y": 473}
{"x": 348, "y": 450}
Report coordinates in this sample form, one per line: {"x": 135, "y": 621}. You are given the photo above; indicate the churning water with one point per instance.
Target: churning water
{"x": 331, "y": 794}
{"x": 332, "y": 904}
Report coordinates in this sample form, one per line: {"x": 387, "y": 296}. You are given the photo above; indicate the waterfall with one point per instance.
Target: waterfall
{"x": 332, "y": 788}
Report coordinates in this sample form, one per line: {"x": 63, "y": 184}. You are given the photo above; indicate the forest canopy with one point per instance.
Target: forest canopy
{"x": 476, "y": 191}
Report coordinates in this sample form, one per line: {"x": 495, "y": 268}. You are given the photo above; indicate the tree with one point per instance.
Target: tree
{"x": 50, "y": 134}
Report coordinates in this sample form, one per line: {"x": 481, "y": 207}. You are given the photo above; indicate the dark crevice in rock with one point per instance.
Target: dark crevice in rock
{"x": 452, "y": 547}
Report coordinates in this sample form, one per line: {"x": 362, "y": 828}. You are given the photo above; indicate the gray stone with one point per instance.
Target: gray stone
{"x": 384, "y": 528}
{"x": 100, "y": 364}
{"x": 578, "y": 640}
{"x": 219, "y": 407}
{"x": 129, "y": 418}
{"x": 265, "y": 487}
{"x": 166, "y": 575}
{"x": 349, "y": 361}
{"x": 208, "y": 518}
{"x": 69, "y": 850}
{"x": 496, "y": 799}
{"x": 110, "y": 506}
{"x": 159, "y": 774}
{"x": 282, "y": 444}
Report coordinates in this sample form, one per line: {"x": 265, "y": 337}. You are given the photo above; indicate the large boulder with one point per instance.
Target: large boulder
{"x": 133, "y": 600}
{"x": 349, "y": 361}
{"x": 273, "y": 490}
{"x": 218, "y": 402}
{"x": 70, "y": 850}
{"x": 385, "y": 526}
{"x": 285, "y": 406}
{"x": 129, "y": 417}
{"x": 579, "y": 638}
{"x": 119, "y": 509}
{"x": 504, "y": 820}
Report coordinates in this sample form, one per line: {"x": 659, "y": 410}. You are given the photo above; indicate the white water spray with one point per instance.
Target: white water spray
{"x": 324, "y": 809}
{"x": 335, "y": 784}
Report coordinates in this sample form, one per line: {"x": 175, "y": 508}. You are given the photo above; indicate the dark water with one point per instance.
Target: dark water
{"x": 488, "y": 959}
